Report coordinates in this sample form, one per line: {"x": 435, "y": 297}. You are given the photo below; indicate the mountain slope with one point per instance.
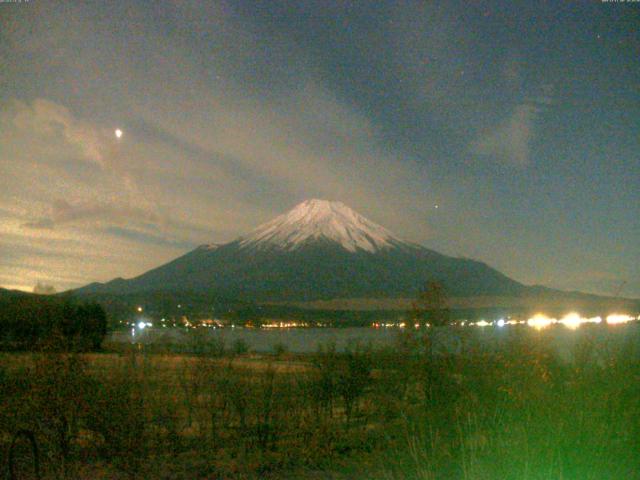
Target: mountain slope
{"x": 318, "y": 250}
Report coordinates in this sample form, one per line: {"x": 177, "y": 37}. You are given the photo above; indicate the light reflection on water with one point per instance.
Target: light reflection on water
{"x": 446, "y": 339}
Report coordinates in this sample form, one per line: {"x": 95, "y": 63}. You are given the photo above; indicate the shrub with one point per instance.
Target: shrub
{"x": 240, "y": 347}
{"x": 118, "y": 415}
{"x": 28, "y": 322}
{"x": 353, "y": 377}
{"x": 279, "y": 349}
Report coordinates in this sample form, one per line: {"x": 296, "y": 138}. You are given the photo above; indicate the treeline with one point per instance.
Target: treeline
{"x": 32, "y": 321}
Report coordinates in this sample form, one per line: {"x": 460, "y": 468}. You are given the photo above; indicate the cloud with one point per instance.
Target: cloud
{"x": 49, "y": 117}
{"x": 62, "y": 212}
{"x": 149, "y": 238}
{"x": 192, "y": 182}
{"x": 221, "y": 132}
{"x": 512, "y": 71}
{"x": 510, "y": 141}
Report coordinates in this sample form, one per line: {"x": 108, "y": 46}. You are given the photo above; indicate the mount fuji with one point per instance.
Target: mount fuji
{"x": 320, "y": 250}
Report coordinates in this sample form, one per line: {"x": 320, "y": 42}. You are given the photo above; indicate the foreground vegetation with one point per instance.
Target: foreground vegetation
{"x": 31, "y": 321}
{"x": 406, "y": 412}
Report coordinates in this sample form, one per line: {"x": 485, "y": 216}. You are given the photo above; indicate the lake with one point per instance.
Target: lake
{"x": 453, "y": 339}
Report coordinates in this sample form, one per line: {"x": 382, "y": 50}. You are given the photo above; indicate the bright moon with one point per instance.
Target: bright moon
{"x": 118, "y": 133}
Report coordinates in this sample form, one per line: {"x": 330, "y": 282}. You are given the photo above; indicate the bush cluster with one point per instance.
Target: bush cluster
{"x": 26, "y": 323}
{"x": 518, "y": 412}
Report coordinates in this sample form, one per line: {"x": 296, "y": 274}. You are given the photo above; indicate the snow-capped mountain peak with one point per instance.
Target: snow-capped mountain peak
{"x": 321, "y": 219}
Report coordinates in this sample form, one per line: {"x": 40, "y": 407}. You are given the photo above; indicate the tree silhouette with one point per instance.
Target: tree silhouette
{"x": 28, "y": 321}
{"x": 432, "y": 305}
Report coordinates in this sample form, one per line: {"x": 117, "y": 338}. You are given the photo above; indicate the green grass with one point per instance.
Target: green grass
{"x": 399, "y": 413}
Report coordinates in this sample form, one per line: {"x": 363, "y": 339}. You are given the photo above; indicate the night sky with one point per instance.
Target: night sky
{"x": 507, "y": 132}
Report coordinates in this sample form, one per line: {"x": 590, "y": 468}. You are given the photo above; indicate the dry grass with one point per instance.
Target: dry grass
{"x": 520, "y": 413}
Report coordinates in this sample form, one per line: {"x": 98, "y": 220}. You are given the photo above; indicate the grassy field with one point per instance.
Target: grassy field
{"x": 397, "y": 413}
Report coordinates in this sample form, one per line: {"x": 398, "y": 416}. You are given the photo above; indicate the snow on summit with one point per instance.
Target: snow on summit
{"x": 321, "y": 219}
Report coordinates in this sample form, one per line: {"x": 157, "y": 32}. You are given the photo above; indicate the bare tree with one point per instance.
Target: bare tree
{"x": 432, "y": 305}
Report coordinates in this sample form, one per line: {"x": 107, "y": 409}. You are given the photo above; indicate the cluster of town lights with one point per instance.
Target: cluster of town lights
{"x": 285, "y": 325}
{"x": 571, "y": 320}
{"x": 539, "y": 321}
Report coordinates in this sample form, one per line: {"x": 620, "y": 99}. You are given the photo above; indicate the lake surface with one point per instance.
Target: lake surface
{"x": 453, "y": 339}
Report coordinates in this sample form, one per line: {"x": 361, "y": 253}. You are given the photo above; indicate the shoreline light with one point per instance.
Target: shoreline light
{"x": 616, "y": 319}
{"x": 571, "y": 320}
{"x": 540, "y": 321}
